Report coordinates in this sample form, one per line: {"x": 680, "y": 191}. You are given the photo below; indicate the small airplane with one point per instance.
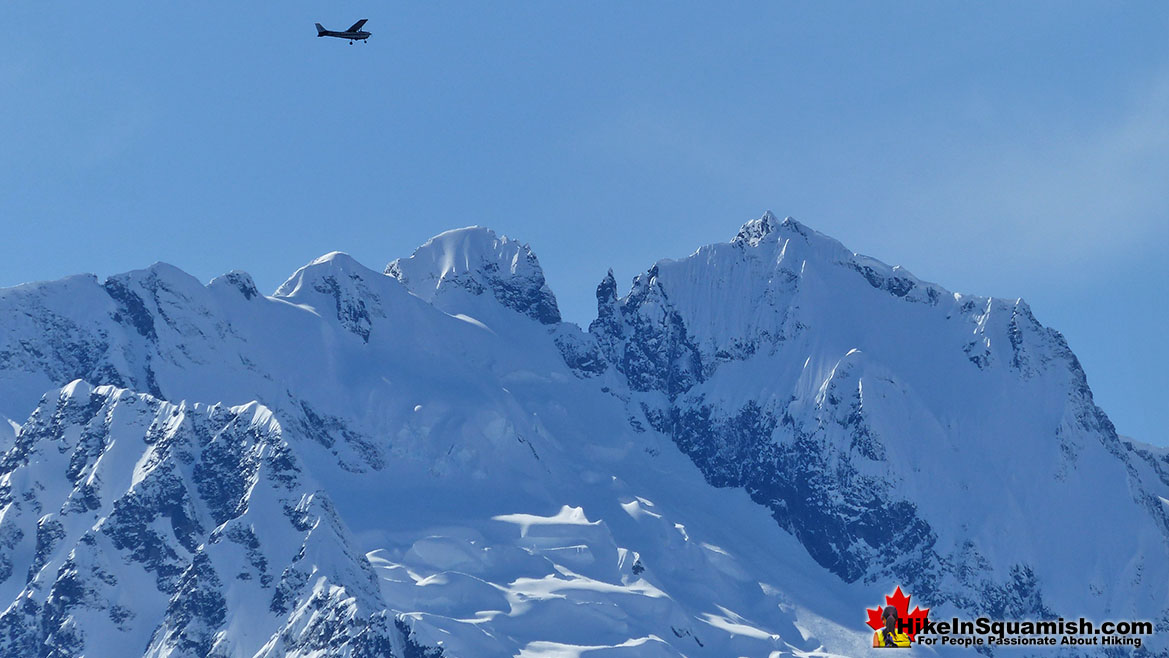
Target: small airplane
{"x": 354, "y": 33}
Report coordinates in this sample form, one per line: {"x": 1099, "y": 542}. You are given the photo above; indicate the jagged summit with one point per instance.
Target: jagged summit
{"x": 813, "y": 245}
{"x": 769, "y": 228}
{"x": 735, "y": 298}
{"x": 469, "y": 262}
{"x": 752, "y": 446}
{"x": 755, "y": 231}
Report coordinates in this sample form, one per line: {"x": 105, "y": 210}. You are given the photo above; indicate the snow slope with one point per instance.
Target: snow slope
{"x": 742, "y": 453}
{"x": 865, "y": 407}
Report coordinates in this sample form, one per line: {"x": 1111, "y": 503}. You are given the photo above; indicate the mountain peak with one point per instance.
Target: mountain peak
{"x": 770, "y": 422}
{"x": 339, "y": 257}
{"x": 158, "y": 274}
{"x": 239, "y": 281}
{"x": 755, "y": 231}
{"x": 329, "y": 265}
{"x": 461, "y": 265}
{"x": 337, "y": 284}
{"x": 770, "y": 229}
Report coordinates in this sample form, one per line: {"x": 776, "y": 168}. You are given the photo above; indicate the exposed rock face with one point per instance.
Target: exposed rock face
{"x": 134, "y": 522}
{"x": 476, "y": 262}
{"x": 426, "y": 462}
{"x": 826, "y": 384}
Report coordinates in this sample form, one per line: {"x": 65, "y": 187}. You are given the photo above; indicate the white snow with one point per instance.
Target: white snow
{"x": 506, "y": 504}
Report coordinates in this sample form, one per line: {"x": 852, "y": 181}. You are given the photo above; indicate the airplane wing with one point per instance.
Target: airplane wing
{"x": 358, "y": 25}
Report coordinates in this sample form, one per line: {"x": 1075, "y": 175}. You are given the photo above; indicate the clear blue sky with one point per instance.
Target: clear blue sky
{"x": 1011, "y": 149}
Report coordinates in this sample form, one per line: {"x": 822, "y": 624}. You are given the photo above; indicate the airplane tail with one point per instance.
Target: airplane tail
{"x": 321, "y": 30}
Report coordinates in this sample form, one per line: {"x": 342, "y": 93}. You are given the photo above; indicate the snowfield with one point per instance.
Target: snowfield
{"x": 740, "y": 455}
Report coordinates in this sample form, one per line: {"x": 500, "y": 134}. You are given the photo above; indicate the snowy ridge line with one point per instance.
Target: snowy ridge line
{"x": 178, "y": 534}
{"x": 740, "y": 455}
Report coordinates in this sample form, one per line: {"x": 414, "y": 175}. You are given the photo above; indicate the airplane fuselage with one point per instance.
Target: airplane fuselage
{"x": 352, "y": 36}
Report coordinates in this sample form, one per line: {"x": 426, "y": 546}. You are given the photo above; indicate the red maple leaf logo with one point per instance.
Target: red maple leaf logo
{"x": 900, "y": 601}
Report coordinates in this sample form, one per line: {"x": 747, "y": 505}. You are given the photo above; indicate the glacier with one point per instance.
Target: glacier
{"x": 740, "y": 454}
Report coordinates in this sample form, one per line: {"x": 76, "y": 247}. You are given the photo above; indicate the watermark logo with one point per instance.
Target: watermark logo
{"x": 893, "y": 624}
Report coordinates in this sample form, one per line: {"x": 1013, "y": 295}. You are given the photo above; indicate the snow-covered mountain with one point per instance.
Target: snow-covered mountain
{"x": 741, "y": 453}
